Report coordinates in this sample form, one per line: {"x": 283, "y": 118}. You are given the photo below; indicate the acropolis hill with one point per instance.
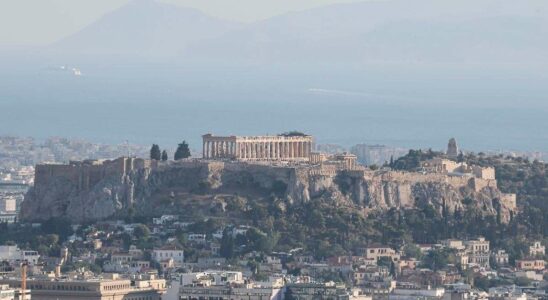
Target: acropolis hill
{"x": 266, "y": 168}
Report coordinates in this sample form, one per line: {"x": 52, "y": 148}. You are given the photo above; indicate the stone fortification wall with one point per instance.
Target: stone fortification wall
{"x": 96, "y": 190}
{"x": 509, "y": 200}
{"x": 477, "y": 184}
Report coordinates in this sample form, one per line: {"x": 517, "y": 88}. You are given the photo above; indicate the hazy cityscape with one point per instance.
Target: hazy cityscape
{"x": 273, "y": 150}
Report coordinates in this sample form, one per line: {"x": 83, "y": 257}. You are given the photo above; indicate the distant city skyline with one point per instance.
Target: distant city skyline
{"x": 51, "y": 20}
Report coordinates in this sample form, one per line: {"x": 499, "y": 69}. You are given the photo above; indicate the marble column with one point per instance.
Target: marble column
{"x": 259, "y": 156}
{"x": 292, "y": 149}
{"x": 205, "y": 149}
{"x": 288, "y": 150}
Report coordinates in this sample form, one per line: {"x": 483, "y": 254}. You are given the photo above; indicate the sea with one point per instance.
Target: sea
{"x": 486, "y": 108}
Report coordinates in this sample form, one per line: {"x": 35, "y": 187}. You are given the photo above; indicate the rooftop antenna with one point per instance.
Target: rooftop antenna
{"x": 127, "y": 148}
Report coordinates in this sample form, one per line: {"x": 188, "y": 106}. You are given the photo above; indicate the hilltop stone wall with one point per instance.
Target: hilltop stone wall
{"x": 94, "y": 190}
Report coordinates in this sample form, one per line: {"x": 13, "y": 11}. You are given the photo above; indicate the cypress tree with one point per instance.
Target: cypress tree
{"x": 155, "y": 152}
{"x": 183, "y": 151}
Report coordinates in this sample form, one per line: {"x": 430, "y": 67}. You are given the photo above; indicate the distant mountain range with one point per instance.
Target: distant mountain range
{"x": 420, "y": 31}
{"x": 145, "y": 28}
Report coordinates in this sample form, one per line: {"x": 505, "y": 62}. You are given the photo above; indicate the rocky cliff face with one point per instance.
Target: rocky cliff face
{"x": 183, "y": 186}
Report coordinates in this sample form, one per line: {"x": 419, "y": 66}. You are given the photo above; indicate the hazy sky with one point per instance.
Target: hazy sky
{"x": 35, "y": 22}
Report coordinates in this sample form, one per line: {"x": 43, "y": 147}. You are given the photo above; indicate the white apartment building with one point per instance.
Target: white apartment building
{"x": 8, "y": 293}
{"x": 227, "y": 285}
{"x": 13, "y": 254}
{"x": 169, "y": 252}
{"x": 376, "y": 252}
{"x": 537, "y": 249}
{"x": 478, "y": 251}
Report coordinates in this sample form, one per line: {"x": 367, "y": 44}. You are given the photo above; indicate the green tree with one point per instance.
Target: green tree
{"x": 141, "y": 231}
{"x": 522, "y": 281}
{"x": 412, "y": 250}
{"x": 183, "y": 151}
{"x": 164, "y": 155}
{"x": 155, "y": 152}
{"x": 437, "y": 259}
{"x": 58, "y": 226}
{"x": 227, "y": 245}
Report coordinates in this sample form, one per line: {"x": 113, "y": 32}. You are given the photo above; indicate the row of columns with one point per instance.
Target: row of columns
{"x": 219, "y": 149}
{"x": 274, "y": 150}
{"x": 257, "y": 150}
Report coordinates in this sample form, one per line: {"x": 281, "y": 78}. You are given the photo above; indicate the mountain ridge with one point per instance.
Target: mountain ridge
{"x": 145, "y": 28}
{"x": 370, "y": 31}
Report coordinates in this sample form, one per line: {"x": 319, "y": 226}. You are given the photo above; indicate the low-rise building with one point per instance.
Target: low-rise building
{"x": 537, "y": 249}
{"x": 169, "y": 252}
{"x": 478, "y": 252}
{"x": 197, "y": 238}
{"x": 121, "y": 257}
{"x": 9, "y": 293}
{"x": 312, "y": 291}
{"x": 501, "y": 258}
{"x": 13, "y": 254}
{"x": 365, "y": 274}
{"x": 530, "y": 264}
{"x": 506, "y": 293}
{"x": 453, "y": 244}
{"x": 108, "y": 287}
{"x": 227, "y": 285}
{"x": 377, "y": 251}
{"x": 411, "y": 292}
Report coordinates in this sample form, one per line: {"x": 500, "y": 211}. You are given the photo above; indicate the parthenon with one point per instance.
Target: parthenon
{"x": 279, "y": 147}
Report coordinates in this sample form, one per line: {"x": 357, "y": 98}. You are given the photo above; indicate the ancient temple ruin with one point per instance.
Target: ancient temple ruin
{"x": 278, "y": 147}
